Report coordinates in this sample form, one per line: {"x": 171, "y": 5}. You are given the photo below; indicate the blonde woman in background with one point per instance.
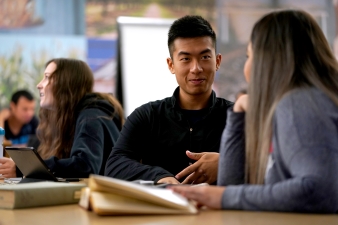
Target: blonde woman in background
{"x": 279, "y": 150}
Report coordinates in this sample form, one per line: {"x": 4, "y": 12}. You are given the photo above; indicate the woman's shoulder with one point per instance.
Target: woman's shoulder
{"x": 93, "y": 112}
{"x": 306, "y": 104}
{"x": 91, "y": 104}
{"x": 95, "y": 117}
{"x": 300, "y": 98}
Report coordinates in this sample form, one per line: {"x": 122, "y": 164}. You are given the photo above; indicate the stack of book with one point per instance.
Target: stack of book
{"x": 36, "y": 194}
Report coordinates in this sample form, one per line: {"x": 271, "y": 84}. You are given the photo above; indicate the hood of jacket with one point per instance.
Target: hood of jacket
{"x": 93, "y": 100}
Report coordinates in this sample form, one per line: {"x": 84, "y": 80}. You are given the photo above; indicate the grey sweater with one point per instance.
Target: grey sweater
{"x": 304, "y": 172}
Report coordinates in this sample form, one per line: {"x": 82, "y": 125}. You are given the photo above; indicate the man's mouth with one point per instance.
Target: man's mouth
{"x": 197, "y": 81}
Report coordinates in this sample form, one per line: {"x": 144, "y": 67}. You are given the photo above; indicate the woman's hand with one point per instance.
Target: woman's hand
{"x": 210, "y": 196}
{"x": 7, "y": 167}
{"x": 241, "y": 105}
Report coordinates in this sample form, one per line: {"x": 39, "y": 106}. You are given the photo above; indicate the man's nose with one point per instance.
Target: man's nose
{"x": 196, "y": 67}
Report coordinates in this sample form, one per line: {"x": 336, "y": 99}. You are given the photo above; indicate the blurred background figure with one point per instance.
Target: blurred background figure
{"x": 19, "y": 121}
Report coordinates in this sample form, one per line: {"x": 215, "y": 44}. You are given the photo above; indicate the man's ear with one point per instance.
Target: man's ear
{"x": 171, "y": 65}
{"x": 12, "y": 106}
{"x": 218, "y": 60}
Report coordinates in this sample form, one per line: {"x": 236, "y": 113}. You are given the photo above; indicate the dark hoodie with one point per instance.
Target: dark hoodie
{"x": 95, "y": 136}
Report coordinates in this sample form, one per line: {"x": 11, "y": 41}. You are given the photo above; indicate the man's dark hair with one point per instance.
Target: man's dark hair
{"x": 21, "y": 93}
{"x": 190, "y": 27}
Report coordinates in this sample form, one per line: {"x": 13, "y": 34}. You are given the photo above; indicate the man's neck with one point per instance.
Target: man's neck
{"x": 194, "y": 102}
{"x": 14, "y": 125}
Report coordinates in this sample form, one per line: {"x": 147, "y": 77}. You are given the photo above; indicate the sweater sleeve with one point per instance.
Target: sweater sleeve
{"x": 125, "y": 159}
{"x": 305, "y": 143}
{"x": 232, "y": 151}
{"x": 86, "y": 154}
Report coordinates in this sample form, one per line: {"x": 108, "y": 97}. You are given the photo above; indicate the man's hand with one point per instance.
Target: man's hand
{"x": 210, "y": 196}
{"x": 204, "y": 170}
{"x": 7, "y": 167}
{"x": 168, "y": 180}
{"x": 241, "y": 105}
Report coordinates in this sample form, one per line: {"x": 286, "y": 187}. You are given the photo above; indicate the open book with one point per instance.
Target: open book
{"x": 110, "y": 196}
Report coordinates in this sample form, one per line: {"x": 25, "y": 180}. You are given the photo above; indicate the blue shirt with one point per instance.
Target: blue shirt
{"x": 23, "y": 136}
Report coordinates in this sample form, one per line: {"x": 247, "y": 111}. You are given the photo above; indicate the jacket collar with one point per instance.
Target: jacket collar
{"x": 175, "y": 97}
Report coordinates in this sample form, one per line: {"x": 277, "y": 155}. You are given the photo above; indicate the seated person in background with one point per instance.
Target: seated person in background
{"x": 78, "y": 128}
{"x": 154, "y": 141}
{"x": 19, "y": 120}
{"x": 281, "y": 139}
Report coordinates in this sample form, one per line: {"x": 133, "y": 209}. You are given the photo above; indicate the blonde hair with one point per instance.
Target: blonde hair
{"x": 289, "y": 51}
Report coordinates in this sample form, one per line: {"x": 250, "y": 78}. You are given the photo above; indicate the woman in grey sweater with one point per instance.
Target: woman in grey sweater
{"x": 279, "y": 150}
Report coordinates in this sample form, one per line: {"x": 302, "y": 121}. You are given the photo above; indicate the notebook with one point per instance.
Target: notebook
{"x": 32, "y": 166}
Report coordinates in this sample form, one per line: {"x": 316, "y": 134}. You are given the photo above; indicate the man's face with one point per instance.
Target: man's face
{"x": 194, "y": 63}
{"x": 23, "y": 111}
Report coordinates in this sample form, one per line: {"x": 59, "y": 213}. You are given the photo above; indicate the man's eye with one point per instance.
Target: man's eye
{"x": 184, "y": 59}
{"x": 206, "y": 57}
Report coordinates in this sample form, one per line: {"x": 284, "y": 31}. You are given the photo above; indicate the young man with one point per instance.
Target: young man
{"x": 154, "y": 141}
{"x": 19, "y": 121}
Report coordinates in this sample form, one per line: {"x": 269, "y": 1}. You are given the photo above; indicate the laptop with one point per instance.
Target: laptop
{"x": 30, "y": 163}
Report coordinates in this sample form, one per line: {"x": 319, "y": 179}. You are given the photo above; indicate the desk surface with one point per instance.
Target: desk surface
{"x": 73, "y": 214}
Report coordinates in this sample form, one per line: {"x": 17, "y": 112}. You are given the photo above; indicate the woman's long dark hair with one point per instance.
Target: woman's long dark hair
{"x": 70, "y": 82}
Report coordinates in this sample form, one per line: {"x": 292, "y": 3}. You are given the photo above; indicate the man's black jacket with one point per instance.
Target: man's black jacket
{"x": 155, "y": 137}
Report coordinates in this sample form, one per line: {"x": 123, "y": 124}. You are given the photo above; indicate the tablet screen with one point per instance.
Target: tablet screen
{"x": 30, "y": 163}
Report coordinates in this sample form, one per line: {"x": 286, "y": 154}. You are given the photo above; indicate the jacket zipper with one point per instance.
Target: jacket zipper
{"x": 190, "y": 129}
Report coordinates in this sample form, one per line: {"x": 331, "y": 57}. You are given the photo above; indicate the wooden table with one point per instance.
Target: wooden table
{"x": 75, "y": 215}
